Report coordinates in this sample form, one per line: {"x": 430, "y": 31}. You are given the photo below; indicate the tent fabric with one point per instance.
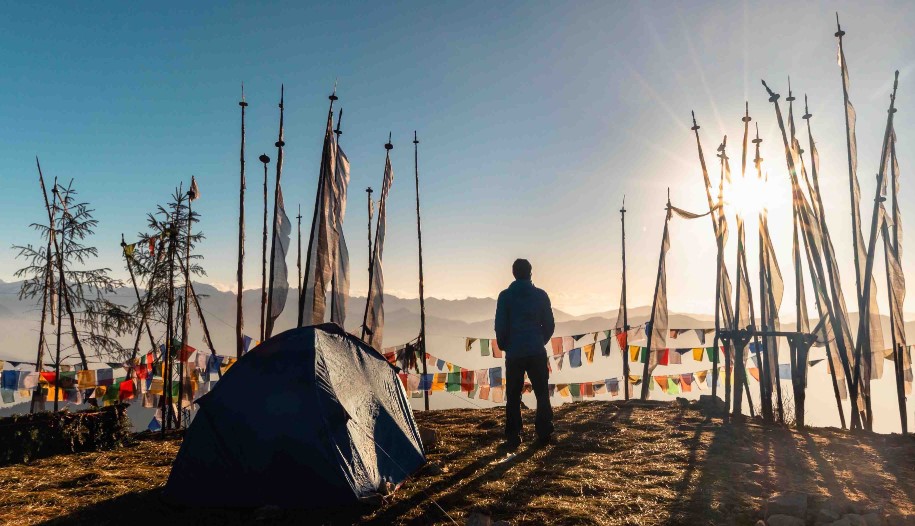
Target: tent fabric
{"x": 311, "y": 418}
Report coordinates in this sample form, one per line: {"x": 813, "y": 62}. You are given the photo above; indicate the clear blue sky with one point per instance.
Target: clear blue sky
{"x": 535, "y": 119}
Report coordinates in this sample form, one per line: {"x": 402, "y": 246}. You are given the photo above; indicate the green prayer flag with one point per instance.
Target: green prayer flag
{"x": 484, "y": 347}
{"x": 712, "y": 353}
{"x": 575, "y": 389}
{"x": 453, "y": 383}
{"x": 644, "y": 355}
{"x": 672, "y": 387}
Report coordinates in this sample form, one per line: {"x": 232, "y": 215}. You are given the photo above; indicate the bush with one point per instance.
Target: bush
{"x": 39, "y": 435}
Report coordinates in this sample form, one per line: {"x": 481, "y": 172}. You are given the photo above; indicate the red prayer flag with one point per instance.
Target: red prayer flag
{"x": 186, "y": 352}
{"x": 496, "y": 350}
{"x": 49, "y": 377}
{"x": 403, "y": 380}
{"x": 126, "y": 390}
{"x": 467, "y": 380}
{"x": 663, "y": 356}
{"x": 621, "y": 338}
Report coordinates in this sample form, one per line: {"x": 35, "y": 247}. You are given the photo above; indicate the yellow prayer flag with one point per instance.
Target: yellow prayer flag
{"x": 86, "y": 379}
{"x": 589, "y": 352}
{"x": 634, "y": 353}
{"x": 697, "y": 353}
{"x": 563, "y": 390}
{"x": 157, "y": 386}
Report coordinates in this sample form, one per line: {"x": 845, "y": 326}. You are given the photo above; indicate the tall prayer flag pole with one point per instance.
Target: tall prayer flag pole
{"x": 264, "y": 159}
{"x": 422, "y": 300}
{"x": 268, "y": 329}
{"x": 374, "y": 301}
{"x": 298, "y": 259}
{"x": 863, "y": 347}
{"x": 371, "y": 209}
{"x": 327, "y": 160}
{"x": 239, "y": 314}
{"x": 828, "y": 253}
{"x": 724, "y": 299}
{"x": 624, "y": 307}
{"x": 665, "y": 243}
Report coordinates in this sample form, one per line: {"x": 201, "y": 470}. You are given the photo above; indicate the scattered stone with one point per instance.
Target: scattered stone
{"x": 711, "y": 405}
{"x": 790, "y": 503}
{"x": 784, "y": 520}
{"x": 682, "y": 402}
{"x": 501, "y": 523}
{"x": 841, "y": 522}
{"x": 434, "y": 468}
{"x": 854, "y": 519}
{"x": 829, "y": 512}
{"x": 428, "y": 437}
{"x": 874, "y": 518}
{"x": 477, "y": 518}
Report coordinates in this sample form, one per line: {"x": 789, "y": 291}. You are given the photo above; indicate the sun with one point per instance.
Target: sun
{"x": 747, "y": 196}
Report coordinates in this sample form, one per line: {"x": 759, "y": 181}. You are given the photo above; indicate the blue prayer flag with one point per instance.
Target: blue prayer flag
{"x": 246, "y": 340}
{"x": 575, "y": 357}
{"x": 425, "y": 382}
{"x": 10, "y": 380}
{"x": 495, "y": 377}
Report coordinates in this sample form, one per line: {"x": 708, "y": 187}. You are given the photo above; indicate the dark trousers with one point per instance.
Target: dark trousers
{"x": 538, "y": 374}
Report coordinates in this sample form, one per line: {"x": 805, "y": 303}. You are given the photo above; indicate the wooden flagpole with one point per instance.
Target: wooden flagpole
{"x": 716, "y": 226}
{"x": 863, "y": 341}
{"x": 368, "y": 296}
{"x": 268, "y": 329}
{"x": 897, "y": 347}
{"x": 422, "y": 300}
{"x": 371, "y": 209}
{"x": 828, "y": 254}
{"x": 649, "y": 329}
{"x": 298, "y": 259}
{"x": 264, "y": 159}
{"x": 239, "y": 313}
{"x": 624, "y": 306}
{"x": 317, "y": 210}
{"x": 333, "y": 281}
{"x": 723, "y": 301}
{"x": 186, "y": 313}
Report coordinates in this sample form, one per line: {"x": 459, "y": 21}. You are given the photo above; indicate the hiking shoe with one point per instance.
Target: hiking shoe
{"x": 510, "y": 444}
{"x": 544, "y": 440}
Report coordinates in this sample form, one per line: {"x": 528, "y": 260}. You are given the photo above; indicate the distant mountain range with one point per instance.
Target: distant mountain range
{"x": 472, "y": 317}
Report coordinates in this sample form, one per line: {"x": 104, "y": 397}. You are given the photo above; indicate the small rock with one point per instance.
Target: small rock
{"x": 682, "y": 402}
{"x": 790, "y": 503}
{"x": 501, "y": 523}
{"x": 829, "y": 512}
{"x": 841, "y": 522}
{"x": 784, "y": 520}
{"x": 428, "y": 437}
{"x": 478, "y": 519}
{"x": 711, "y": 405}
{"x": 434, "y": 468}
{"x": 760, "y": 522}
{"x": 874, "y": 519}
{"x": 854, "y": 519}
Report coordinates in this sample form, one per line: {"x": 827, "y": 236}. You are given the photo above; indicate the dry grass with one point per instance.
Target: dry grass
{"x": 611, "y": 463}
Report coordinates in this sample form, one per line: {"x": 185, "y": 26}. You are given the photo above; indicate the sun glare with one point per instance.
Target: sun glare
{"x": 747, "y": 196}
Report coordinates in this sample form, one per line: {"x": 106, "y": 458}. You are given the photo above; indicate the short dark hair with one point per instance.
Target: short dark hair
{"x": 521, "y": 269}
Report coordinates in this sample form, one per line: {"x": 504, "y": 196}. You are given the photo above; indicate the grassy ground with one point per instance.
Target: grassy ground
{"x": 611, "y": 463}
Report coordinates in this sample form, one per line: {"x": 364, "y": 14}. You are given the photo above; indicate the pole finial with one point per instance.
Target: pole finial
{"x": 790, "y": 97}
{"x": 746, "y": 115}
{"x": 242, "y": 103}
{"x": 695, "y": 126}
{"x": 264, "y": 159}
{"x": 839, "y": 33}
{"x": 772, "y": 95}
{"x": 757, "y": 140}
{"x": 282, "y": 94}
{"x": 338, "y": 131}
{"x": 807, "y": 113}
{"x": 333, "y": 95}
{"x": 415, "y": 139}
{"x": 388, "y": 145}
{"x": 623, "y": 209}
{"x": 123, "y": 243}
{"x": 368, "y": 190}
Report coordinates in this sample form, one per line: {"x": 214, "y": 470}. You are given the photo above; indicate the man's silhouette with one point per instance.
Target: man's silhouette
{"x": 524, "y": 324}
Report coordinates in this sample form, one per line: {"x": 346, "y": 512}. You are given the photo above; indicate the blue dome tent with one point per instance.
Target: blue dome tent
{"x": 311, "y": 418}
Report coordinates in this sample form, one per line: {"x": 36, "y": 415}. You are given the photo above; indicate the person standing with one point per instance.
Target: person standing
{"x": 524, "y": 325}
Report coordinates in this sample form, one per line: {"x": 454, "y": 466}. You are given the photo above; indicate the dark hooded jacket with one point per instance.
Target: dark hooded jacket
{"x": 524, "y": 320}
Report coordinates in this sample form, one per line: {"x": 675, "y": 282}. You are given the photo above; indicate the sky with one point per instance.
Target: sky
{"x": 535, "y": 120}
